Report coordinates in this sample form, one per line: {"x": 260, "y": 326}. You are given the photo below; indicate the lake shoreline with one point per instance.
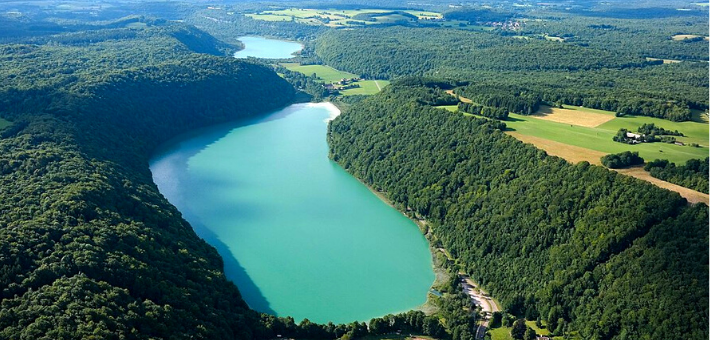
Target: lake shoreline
{"x": 440, "y": 272}
{"x": 262, "y": 52}
{"x": 205, "y": 166}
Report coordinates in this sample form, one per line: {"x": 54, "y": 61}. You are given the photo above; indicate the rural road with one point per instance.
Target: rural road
{"x": 480, "y": 298}
{"x": 378, "y": 86}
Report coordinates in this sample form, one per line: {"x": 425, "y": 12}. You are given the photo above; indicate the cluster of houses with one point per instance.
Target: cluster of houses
{"x": 508, "y": 25}
{"x": 635, "y": 138}
{"x": 343, "y": 84}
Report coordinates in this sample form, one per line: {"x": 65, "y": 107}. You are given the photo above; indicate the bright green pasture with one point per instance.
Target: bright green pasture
{"x": 503, "y": 333}
{"x": 451, "y": 108}
{"x": 694, "y": 132}
{"x": 330, "y": 75}
{"x": 600, "y": 138}
{"x": 137, "y": 25}
{"x": 500, "y": 333}
{"x": 538, "y": 330}
{"x": 269, "y": 17}
{"x": 394, "y": 337}
{"x": 326, "y": 73}
{"x": 367, "y": 87}
{"x": 337, "y": 17}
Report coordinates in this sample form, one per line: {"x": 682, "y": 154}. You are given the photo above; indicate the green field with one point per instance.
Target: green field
{"x": 367, "y": 87}
{"x": 4, "y": 123}
{"x": 500, "y": 333}
{"x": 452, "y": 108}
{"x": 694, "y": 132}
{"x": 269, "y": 17}
{"x": 503, "y": 333}
{"x": 326, "y": 73}
{"x": 600, "y": 138}
{"x": 344, "y": 18}
{"x": 137, "y": 25}
{"x": 330, "y": 75}
{"x": 336, "y": 18}
{"x": 395, "y": 337}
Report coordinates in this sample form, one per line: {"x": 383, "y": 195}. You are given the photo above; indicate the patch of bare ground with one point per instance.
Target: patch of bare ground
{"x": 462, "y": 99}
{"x": 691, "y": 195}
{"x": 572, "y": 116}
{"x": 571, "y": 153}
{"x": 679, "y": 37}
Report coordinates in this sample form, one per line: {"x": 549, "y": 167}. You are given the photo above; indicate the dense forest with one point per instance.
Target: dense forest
{"x": 644, "y": 36}
{"x": 616, "y": 80}
{"x": 90, "y": 248}
{"x": 693, "y": 175}
{"x": 605, "y": 255}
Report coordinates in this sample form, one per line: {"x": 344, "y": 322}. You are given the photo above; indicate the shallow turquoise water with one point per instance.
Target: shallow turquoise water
{"x": 299, "y": 235}
{"x": 267, "y": 48}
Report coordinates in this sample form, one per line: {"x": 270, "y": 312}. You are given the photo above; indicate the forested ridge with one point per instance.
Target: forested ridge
{"x": 610, "y": 79}
{"x": 90, "y": 248}
{"x": 603, "y": 254}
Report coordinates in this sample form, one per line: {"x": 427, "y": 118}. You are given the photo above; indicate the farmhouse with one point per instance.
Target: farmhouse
{"x": 633, "y": 135}
{"x": 634, "y": 138}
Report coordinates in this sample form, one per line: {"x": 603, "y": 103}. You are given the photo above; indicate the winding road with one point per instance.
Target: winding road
{"x": 480, "y": 298}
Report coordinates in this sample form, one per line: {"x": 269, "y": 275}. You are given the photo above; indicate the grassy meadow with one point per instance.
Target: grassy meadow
{"x": 326, "y": 73}
{"x": 329, "y": 75}
{"x": 503, "y": 333}
{"x": 367, "y": 87}
{"x": 599, "y": 138}
{"x": 342, "y": 18}
{"x": 4, "y": 123}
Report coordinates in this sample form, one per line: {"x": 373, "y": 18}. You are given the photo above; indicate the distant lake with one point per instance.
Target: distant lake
{"x": 299, "y": 236}
{"x": 267, "y": 48}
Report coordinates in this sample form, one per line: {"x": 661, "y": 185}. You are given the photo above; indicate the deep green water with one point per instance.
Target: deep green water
{"x": 299, "y": 235}
{"x": 267, "y": 48}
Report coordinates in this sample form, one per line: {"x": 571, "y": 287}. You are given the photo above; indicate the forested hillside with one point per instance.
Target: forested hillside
{"x": 587, "y": 249}
{"x": 90, "y": 248}
{"x": 621, "y": 80}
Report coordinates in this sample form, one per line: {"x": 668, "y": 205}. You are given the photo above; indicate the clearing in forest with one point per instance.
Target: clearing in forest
{"x": 461, "y": 99}
{"x": 576, "y": 154}
{"x": 329, "y": 75}
{"x": 665, "y": 61}
{"x": 572, "y": 115}
{"x": 4, "y": 123}
{"x": 599, "y": 137}
{"x": 366, "y": 87}
{"x": 326, "y": 73}
{"x": 344, "y": 18}
{"x": 691, "y": 195}
{"x": 571, "y": 153}
{"x": 679, "y": 37}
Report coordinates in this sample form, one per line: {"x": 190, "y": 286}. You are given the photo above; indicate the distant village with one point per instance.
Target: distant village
{"x": 343, "y": 84}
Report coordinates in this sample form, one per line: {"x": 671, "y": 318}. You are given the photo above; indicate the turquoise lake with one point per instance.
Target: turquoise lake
{"x": 267, "y": 48}
{"x": 299, "y": 236}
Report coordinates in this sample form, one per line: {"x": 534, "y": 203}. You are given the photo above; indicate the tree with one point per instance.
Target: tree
{"x": 561, "y": 324}
{"x": 530, "y": 334}
{"x": 519, "y": 329}
{"x": 496, "y": 319}
{"x": 552, "y": 317}
{"x": 378, "y": 326}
